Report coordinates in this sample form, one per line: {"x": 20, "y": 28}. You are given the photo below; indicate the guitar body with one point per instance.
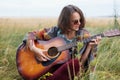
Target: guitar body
{"x": 30, "y": 68}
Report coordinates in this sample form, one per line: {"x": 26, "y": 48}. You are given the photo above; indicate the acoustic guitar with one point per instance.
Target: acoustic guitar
{"x": 57, "y": 49}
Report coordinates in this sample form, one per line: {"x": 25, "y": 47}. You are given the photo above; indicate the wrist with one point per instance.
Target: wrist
{"x": 31, "y": 45}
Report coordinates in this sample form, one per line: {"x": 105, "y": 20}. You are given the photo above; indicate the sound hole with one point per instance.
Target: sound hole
{"x": 53, "y": 51}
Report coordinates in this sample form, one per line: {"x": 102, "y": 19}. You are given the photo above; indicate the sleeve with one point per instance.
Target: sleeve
{"x": 42, "y": 34}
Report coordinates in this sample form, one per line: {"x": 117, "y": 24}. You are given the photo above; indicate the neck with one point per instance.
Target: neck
{"x": 71, "y": 34}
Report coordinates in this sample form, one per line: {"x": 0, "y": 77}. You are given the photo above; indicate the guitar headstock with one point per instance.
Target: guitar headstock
{"x": 112, "y": 33}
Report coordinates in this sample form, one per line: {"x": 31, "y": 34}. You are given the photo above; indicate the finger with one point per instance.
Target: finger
{"x": 45, "y": 56}
{"x": 93, "y": 41}
{"x": 43, "y": 59}
{"x": 96, "y": 41}
{"x": 41, "y": 53}
{"x": 39, "y": 58}
{"x": 99, "y": 38}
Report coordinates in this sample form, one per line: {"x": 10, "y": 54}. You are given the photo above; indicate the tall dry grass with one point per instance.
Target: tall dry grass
{"x": 12, "y": 31}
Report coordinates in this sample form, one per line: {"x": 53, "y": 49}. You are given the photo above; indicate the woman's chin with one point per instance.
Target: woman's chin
{"x": 76, "y": 29}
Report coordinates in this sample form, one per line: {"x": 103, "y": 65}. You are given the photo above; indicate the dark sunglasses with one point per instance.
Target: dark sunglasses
{"x": 75, "y": 21}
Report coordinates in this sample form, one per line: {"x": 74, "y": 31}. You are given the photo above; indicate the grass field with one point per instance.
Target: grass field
{"x": 13, "y": 30}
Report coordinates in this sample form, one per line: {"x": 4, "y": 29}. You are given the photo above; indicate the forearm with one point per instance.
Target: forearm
{"x": 33, "y": 47}
{"x": 31, "y": 37}
{"x": 85, "y": 54}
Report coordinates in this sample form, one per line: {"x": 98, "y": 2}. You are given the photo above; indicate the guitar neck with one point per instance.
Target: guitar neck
{"x": 72, "y": 44}
{"x": 67, "y": 46}
{"x": 110, "y": 33}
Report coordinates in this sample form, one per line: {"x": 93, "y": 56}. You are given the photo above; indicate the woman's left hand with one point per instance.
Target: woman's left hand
{"x": 95, "y": 41}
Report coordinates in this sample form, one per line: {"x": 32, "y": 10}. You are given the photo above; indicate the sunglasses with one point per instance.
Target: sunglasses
{"x": 75, "y": 21}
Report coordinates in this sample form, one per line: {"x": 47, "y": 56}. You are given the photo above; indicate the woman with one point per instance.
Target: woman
{"x": 70, "y": 27}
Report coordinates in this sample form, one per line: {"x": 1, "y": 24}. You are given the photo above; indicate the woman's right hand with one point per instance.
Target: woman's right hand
{"x": 38, "y": 52}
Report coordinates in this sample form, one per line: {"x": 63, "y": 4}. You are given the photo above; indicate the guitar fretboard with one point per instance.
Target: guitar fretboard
{"x": 110, "y": 33}
{"x": 72, "y": 44}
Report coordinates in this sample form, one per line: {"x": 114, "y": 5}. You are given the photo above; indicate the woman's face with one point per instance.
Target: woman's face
{"x": 75, "y": 21}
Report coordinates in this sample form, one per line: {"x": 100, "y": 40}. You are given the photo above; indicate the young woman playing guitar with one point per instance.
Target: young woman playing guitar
{"x": 52, "y": 54}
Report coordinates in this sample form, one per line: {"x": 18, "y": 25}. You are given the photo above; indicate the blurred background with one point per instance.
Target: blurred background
{"x": 52, "y": 8}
